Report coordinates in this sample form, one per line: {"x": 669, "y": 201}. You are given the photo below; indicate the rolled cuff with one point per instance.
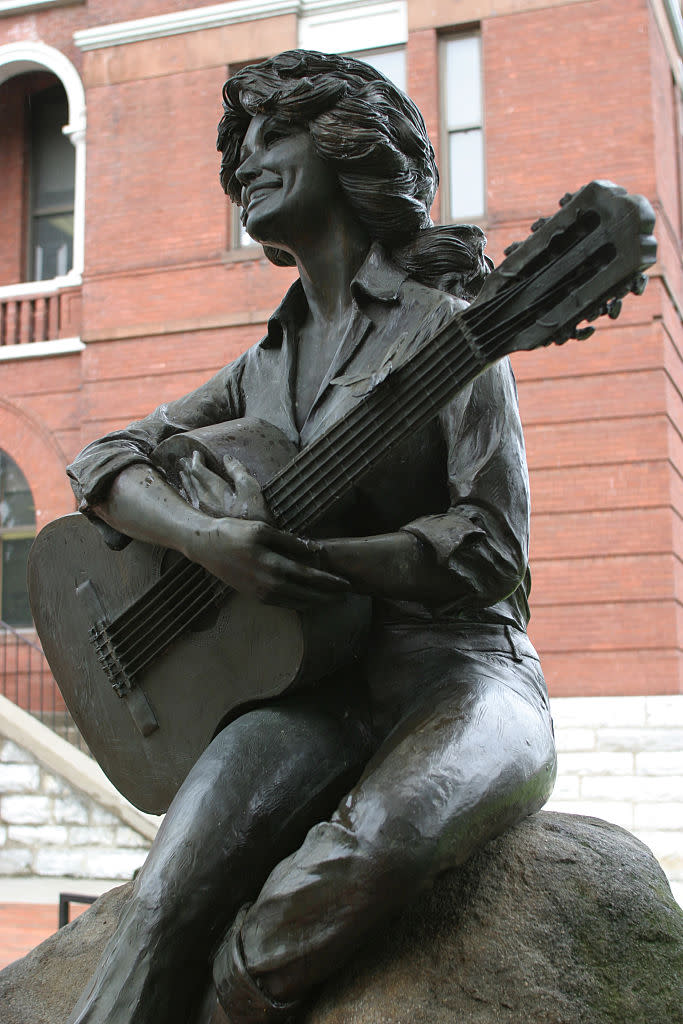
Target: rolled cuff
{"x": 486, "y": 564}
{"x": 92, "y": 474}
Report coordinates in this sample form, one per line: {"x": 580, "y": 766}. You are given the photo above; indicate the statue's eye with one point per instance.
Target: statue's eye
{"x": 273, "y": 135}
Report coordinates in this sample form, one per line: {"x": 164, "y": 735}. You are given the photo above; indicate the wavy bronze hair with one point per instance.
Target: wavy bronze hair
{"x": 375, "y": 138}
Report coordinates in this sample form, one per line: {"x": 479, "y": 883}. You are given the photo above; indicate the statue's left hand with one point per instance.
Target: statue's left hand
{"x": 237, "y": 494}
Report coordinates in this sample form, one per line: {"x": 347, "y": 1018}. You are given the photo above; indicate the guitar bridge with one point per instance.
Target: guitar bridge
{"x": 108, "y": 658}
{"x": 112, "y": 666}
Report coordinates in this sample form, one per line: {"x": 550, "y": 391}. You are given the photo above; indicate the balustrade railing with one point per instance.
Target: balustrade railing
{"x": 26, "y": 679}
{"x": 39, "y": 311}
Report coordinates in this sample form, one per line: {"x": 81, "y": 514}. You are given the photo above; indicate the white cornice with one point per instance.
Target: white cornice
{"x": 38, "y": 349}
{"x": 337, "y": 27}
{"x": 180, "y": 22}
{"x": 37, "y": 289}
{"x": 215, "y": 16}
{"x": 8, "y": 7}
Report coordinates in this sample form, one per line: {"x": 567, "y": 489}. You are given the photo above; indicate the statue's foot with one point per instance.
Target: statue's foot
{"x": 242, "y": 999}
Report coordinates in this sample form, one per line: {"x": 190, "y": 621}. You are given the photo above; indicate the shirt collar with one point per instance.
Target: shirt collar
{"x": 378, "y": 279}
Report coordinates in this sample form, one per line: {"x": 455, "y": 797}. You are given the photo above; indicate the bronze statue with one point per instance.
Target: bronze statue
{"x": 315, "y": 814}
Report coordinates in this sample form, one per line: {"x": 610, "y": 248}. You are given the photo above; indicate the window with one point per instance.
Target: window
{"x": 390, "y": 62}
{"x": 51, "y": 202}
{"x": 464, "y": 192}
{"x": 17, "y": 530}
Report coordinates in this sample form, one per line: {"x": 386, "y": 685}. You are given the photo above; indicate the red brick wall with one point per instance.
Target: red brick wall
{"x": 572, "y": 92}
{"x": 39, "y": 426}
{"x": 12, "y": 180}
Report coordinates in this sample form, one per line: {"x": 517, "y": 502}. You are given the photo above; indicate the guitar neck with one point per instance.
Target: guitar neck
{"x": 301, "y": 493}
{"x": 576, "y": 265}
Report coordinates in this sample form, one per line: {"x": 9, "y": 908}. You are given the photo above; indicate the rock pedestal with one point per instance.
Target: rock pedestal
{"x": 563, "y": 920}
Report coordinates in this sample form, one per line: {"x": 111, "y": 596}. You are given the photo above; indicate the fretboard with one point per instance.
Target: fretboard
{"x": 304, "y": 490}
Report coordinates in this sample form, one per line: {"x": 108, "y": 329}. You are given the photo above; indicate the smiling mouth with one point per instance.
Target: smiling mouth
{"x": 259, "y": 192}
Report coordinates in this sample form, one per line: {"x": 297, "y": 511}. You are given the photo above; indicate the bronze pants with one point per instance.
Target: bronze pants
{"x": 465, "y": 749}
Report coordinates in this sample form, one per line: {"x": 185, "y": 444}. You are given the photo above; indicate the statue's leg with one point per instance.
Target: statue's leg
{"x": 470, "y": 761}
{"x": 248, "y": 802}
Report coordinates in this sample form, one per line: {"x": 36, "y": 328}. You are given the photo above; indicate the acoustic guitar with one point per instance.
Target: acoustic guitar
{"x": 153, "y": 654}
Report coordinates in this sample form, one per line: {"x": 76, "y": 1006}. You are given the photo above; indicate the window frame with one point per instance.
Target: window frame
{"x": 446, "y": 132}
{"x": 33, "y": 210}
{"x": 27, "y": 55}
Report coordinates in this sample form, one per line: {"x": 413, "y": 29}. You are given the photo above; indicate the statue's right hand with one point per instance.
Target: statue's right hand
{"x": 258, "y": 559}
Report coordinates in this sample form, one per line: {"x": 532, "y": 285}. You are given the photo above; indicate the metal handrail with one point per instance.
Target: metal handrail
{"x": 26, "y": 679}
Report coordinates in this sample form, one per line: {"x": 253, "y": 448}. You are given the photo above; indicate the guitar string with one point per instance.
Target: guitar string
{"x": 304, "y": 479}
{"x": 152, "y": 625}
{"x": 290, "y": 488}
{"x": 193, "y": 611}
{"x": 186, "y": 614}
{"x": 530, "y": 316}
{"x": 161, "y": 591}
{"x": 337, "y": 447}
{"x": 411, "y": 402}
{"x": 166, "y": 629}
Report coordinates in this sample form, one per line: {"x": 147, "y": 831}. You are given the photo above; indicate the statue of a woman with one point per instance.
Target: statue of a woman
{"x": 309, "y": 820}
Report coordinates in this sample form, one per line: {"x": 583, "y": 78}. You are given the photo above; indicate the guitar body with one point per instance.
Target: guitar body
{"x": 236, "y": 654}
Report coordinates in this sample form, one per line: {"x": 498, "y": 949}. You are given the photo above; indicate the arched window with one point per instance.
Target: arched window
{"x": 42, "y": 165}
{"x": 17, "y": 530}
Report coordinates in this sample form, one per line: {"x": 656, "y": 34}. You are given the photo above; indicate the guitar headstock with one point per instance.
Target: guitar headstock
{"x": 575, "y": 266}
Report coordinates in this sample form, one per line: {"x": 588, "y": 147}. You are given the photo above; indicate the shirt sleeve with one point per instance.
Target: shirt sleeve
{"x": 92, "y": 472}
{"x": 483, "y": 537}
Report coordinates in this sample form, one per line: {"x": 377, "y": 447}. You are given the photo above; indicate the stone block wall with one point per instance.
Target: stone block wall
{"x": 47, "y": 827}
{"x": 621, "y": 759}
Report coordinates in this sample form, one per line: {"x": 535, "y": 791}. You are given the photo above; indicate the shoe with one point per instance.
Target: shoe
{"x": 240, "y": 996}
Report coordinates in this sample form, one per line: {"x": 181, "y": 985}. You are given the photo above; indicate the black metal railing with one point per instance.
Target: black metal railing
{"x": 26, "y": 679}
{"x": 65, "y": 901}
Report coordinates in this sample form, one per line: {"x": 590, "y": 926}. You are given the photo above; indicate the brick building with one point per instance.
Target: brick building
{"x": 124, "y": 279}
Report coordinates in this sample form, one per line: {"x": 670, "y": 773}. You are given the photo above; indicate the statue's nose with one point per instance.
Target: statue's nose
{"x": 248, "y": 170}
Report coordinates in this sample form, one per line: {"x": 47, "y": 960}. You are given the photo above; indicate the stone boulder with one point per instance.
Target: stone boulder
{"x": 563, "y": 920}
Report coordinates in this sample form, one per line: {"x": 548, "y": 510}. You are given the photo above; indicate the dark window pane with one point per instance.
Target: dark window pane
{"x": 15, "y": 606}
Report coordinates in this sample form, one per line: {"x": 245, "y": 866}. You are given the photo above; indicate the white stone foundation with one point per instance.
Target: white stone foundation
{"x": 621, "y": 759}
{"x": 50, "y": 828}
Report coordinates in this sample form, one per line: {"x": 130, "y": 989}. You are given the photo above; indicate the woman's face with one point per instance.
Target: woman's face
{"x": 286, "y": 187}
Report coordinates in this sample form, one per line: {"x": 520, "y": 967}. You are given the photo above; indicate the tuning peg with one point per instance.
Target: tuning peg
{"x": 511, "y": 248}
{"x": 638, "y": 284}
{"x": 614, "y": 309}
{"x": 563, "y": 335}
{"x": 538, "y": 223}
{"x": 566, "y": 198}
{"x": 581, "y": 333}
{"x": 594, "y": 311}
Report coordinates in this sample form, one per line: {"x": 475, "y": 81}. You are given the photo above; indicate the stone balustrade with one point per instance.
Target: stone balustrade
{"x": 39, "y": 311}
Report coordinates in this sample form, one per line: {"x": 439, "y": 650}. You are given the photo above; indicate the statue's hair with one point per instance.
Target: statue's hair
{"x": 375, "y": 138}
